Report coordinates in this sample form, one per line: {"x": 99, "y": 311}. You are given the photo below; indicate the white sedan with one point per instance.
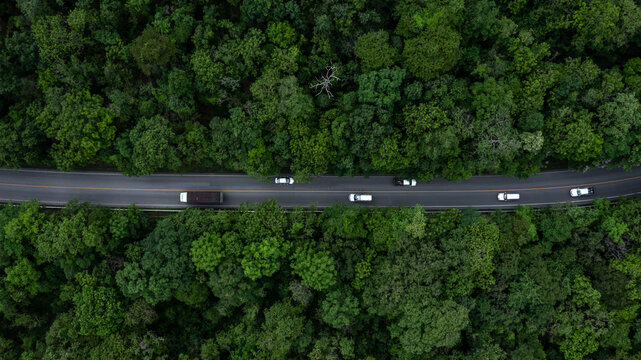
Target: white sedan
{"x": 578, "y": 192}
{"x": 284, "y": 180}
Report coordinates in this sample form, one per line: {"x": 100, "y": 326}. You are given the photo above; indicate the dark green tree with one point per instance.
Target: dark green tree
{"x": 374, "y": 51}
{"x": 158, "y": 266}
{"x": 152, "y": 50}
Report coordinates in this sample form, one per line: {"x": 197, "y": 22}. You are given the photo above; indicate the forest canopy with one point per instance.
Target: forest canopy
{"x": 262, "y": 282}
{"x": 427, "y": 88}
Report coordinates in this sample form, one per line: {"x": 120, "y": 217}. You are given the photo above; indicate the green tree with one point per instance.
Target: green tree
{"x": 128, "y": 224}
{"x": 311, "y": 150}
{"x": 316, "y": 268}
{"x": 614, "y": 227}
{"x": 262, "y": 220}
{"x": 482, "y": 244}
{"x": 264, "y": 258}
{"x": 382, "y": 87}
{"x": 194, "y": 146}
{"x": 98, "y": 311}
{"x": 232, "y": 288}
{"x": 571, "y": 136}
{"x": 580, "y": 343}
{"x": 293, "y": 101}
{"x": 555, "y": 228}
{"x": 424, "y": 328}
{"x": 176, "y": 92}
{"x": 632, "y": 73}
{"x": 497, "y": 142}
{"x": 23, "y": 275}
{"x": 433, "y": 138}
{"x": 23, "y": 143}
{"x": 532, "y": 142}
{"x": 232, "y": 137}
{"x": 527, "y": 54}
{"x": 603, "y": 25}
{"x": 358, "y": 134}
{"x": 158, "y": 265}
{"x": 433, "y": 52}
{"x": 374, "y": 51}
{"x": 207, "y": 251}
{"x": 282, "y": 327}
{"x": 218, "y": 69}
{"x": 584, "y": 294}
{"x": 152, "y": 50}
{"x": 152, "y": 146}
{"x": 71, "y": 239}
{"x": 208, "y": 72}
{"x": 339, "y": 308}
{"x": 619, "y": 120}
{"x": 281, "y": 33}
{"x": 81, "y": 127}
{"x": 581, "y": 328}
{"x": 389, "y": 156}
{"x": 22, "y": 228}
{"x": 54, "y": 38}
{"x": 340, "y": 221}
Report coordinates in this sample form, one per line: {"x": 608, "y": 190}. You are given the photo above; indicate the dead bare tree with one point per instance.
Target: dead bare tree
{"x": 616, "y": 250}
{"x": 325, "y": 81}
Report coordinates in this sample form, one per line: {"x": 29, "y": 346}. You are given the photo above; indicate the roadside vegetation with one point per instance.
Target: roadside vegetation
{"x": 446, "y": 88}
{"x": 345, "y": 283}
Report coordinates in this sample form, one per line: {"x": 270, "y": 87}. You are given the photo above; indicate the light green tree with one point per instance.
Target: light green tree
{"x": 433, "y": 52}
{"x": 80, "y": 127}
{"x": 264, "y": 258}
{"x": 97, "y": 309}
{"x": 316, "y": 268}
{"x": 614, "y": 227}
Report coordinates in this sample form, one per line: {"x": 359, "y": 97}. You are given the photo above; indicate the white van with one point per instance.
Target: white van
{"x": 360, "y": 197}
{"x": 502, "y": 196}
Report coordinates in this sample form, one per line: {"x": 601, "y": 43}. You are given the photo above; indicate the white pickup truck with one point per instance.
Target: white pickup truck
{"x": 359, "y": 197}
{"x": 503, "y": 196}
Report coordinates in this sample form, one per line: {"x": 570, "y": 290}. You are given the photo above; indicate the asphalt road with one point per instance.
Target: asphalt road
{"x": 161, "y": 190}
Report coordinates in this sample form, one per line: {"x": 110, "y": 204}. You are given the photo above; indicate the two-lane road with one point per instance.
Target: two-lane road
{"x": 161, "y": 190}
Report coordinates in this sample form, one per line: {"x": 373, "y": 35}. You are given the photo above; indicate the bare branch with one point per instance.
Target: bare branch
{"x": 325, "y": 81}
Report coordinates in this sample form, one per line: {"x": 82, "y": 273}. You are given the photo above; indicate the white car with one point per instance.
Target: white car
{"x": 404, "y": 182}
{"x": 503, "y": 196}
{"x": 360, "y": 197}
{"x": 578, "y": 192}
{"x": 284, "y": 180}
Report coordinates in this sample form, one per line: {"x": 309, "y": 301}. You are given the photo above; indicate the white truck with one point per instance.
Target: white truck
{"x": 578, "y": 192}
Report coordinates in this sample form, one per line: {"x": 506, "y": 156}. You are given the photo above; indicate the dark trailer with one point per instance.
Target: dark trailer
{"x": 201, "y": 197}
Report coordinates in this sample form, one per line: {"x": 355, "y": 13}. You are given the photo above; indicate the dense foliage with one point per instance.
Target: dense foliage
{"x": 344, "y": 283}
{"x": 430, "y": 88}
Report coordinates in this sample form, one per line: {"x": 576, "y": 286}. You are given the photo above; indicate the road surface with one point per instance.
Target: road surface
{"x": 161, "y": 190}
